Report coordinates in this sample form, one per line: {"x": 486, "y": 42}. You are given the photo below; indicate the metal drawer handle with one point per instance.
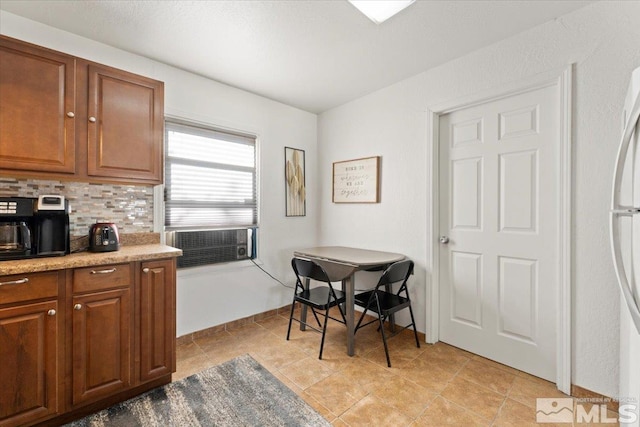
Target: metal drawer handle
{"x": 51, "y": 312}
{"x": 77, "y": 307}
{"x": 111, "y": 270}
{"x": 145, "y": 270}
{"x": 15, "y": 282}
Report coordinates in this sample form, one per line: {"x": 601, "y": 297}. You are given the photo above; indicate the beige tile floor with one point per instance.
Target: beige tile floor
{"x": 434, "y": 385}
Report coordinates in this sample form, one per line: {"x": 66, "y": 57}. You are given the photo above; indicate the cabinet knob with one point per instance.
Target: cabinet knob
{"x": 71, "y": 114}
{"x": 77, "y": 307}
{"x": 145, "y": 270}
{"x": 51, "y": 312}
{"x": 92, "y": 119}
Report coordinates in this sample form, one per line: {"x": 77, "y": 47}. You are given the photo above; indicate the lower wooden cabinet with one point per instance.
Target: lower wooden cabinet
{"x": 157, "y": 319}
{"x": 31, "y": 353}
{"x": 102, "y": 350}
{"x": 102, "y": 331}
{"x": 29, "y": 371}
{"x": 73, "y": 341}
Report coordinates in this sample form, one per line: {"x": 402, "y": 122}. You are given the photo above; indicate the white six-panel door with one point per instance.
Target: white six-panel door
{"x": 499, "y": 184}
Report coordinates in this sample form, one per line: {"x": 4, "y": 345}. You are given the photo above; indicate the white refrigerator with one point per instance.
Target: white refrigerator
{"x": 625, "y": 247}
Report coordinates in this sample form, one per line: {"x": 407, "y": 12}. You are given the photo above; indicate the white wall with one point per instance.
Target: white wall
{"x": 214, "y": 295}
{"x": 603, "y": 40}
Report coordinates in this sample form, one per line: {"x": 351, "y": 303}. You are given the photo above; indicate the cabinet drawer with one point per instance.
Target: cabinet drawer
{"x": 101, "y": 277}
{"x": 25, "y": 287}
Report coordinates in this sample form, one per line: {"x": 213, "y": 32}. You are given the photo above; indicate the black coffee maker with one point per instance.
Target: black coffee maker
{"x": 33, "y": 227}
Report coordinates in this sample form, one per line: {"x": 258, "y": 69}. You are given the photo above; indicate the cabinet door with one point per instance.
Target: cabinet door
{"x": 29, "y": 371}
{"x": 157, "y": 319}
{"x": 125, "y": 136}
{"x": 37, "y": 109}
{"x": 101, "y": 336}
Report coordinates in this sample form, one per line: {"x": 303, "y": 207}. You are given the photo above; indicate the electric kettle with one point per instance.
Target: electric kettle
{"x": 103, "y": 237}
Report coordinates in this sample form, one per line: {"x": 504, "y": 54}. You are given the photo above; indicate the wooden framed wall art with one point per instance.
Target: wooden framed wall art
{"x": 295, "y": 189}
{"x": 357, "y": 181}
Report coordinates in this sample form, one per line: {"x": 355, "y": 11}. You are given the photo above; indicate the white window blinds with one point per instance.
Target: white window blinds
{"x": 210, "y": 178}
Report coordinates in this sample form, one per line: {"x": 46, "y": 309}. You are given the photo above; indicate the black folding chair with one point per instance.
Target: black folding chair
{"x": 318, "y": 298}
{"x": 384, "y": 303}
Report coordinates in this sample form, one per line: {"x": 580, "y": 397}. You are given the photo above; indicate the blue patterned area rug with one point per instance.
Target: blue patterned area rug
{"x": 240, "y": 392}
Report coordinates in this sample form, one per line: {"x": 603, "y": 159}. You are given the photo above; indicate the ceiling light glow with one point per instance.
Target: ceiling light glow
{"x": 380, "y": 10}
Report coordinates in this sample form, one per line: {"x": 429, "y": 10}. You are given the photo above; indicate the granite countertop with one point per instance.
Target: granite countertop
{"x": 138, "y": 252}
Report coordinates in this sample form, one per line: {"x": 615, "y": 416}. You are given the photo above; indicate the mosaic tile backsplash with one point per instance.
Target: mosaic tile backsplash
{"x": 130, "y": 207}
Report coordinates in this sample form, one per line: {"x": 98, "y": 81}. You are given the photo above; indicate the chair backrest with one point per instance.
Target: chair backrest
{"x": 308, "y": 268}
{"x": 396, "y": 272}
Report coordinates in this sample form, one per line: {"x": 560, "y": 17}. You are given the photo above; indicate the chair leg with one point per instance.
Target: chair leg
{"x": 413, "y": 322}
{"x": 324, "y": 332}
{"x": 293, "y": 304}
{"x": 384, "y": 339}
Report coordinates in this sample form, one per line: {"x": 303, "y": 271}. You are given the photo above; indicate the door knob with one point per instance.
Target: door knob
{"x": 444, "y": 239}
{"x": 51, "y": 312}
{"x": 77, "y": 307}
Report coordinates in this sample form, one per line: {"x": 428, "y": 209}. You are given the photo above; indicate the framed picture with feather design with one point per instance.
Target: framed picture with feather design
{"x": 295, "y": 188}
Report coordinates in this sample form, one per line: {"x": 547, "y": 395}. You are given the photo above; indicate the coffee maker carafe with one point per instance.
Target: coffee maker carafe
{"x": 15, "y": 238}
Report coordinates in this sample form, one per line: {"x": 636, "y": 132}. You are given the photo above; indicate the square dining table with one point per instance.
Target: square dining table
{"x": 341, "y": 264}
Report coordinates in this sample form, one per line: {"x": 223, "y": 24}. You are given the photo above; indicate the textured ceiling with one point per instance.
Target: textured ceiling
{"x": 311, "y": 54}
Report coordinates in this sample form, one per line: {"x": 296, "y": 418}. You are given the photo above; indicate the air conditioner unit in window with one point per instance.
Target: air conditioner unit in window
{"x": 212, "y": 246}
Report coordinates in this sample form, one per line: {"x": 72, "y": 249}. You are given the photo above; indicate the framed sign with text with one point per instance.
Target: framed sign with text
{"x": 357, "y": 181}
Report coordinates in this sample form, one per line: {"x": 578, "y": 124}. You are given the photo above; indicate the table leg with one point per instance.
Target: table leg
{"x": 348, "y": 285}
{"x": 303, "y": 308}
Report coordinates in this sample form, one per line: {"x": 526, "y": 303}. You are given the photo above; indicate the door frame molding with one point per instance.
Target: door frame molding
{"x": 563, "y": 78}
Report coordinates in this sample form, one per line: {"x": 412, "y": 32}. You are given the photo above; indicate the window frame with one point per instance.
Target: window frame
{"x": 209, "y": 130}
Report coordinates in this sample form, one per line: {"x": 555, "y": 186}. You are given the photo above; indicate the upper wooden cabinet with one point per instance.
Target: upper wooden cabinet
{"x": 68, "y": 118}
{"x": 37, "y": 109}
{"x": 125, "y": 114}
